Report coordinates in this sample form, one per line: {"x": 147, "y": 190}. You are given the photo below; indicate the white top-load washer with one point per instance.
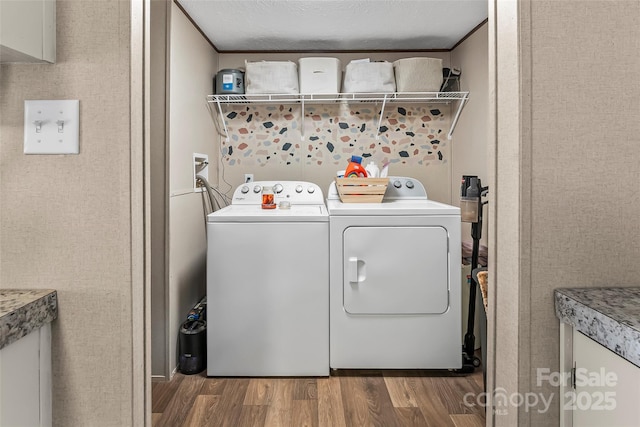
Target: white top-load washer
{"x": 268, "y": 283}
{"x": 394, "y": 281}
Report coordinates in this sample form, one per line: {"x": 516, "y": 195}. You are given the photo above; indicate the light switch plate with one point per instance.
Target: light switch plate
{"x": 52, "y": 127}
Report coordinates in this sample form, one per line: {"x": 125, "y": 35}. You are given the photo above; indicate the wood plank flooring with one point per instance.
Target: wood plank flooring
{"x": 348, "y": 398}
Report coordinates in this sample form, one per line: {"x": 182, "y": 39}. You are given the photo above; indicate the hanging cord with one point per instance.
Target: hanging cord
{"x": 216, "y": 117}
{"x": 212, "y": 192}
{"x": 201, "y": 180}
{"x": 214, "y": 204}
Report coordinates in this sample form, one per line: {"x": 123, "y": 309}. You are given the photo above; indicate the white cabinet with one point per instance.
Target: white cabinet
{"x": 27, "y": 31}
{"x": 25, "y": 380}
{"x": 603, "y": 389}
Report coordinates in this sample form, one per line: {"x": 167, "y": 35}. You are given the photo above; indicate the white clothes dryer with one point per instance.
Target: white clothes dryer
{"x": 394, "y": 281}
{"x": 268, "y": 283}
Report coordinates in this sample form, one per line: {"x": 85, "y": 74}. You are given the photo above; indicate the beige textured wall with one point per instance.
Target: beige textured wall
{"x": 65, "y": 221}
{"x": 192, "y": 65}
{"x": 469, "y": 148}
{"x": 584, "y": 199}
{"x": 159, "y": 199}
{"x": 578, "y": 134}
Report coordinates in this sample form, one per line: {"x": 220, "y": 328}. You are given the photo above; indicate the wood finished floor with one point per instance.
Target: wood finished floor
{"x": 346, "y": 399}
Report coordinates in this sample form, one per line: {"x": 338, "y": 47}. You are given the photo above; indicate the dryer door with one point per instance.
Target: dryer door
{"x": 395, "y": 270}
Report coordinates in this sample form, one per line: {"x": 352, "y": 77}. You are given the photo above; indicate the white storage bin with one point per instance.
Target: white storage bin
{"x": 319, "y": 75}
{"x": 418, "y": 74}
{"x": 369, "y": 77}
{"x": 271, "y": 77}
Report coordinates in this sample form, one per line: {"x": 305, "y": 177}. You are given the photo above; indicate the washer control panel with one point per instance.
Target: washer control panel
{"x": 399, "y": 188}
{"x": 294, "y": 192}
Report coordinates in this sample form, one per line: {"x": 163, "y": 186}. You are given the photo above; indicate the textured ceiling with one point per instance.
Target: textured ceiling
{"x": 330, "y": 25}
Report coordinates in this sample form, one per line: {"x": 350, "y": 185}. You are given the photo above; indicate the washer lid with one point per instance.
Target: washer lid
{"x": 394, "y": 207}
{"x": 255, "y": 213}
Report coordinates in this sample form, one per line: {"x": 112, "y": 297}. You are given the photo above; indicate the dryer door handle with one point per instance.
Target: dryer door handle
{"x": 352, "y": 273}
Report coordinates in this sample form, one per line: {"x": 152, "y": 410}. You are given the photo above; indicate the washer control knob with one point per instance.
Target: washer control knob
{"x": 311, "y": 190}
{"x": 298, "y": 188}
{"x": 409, "y": 184}
{"x": 244, "y": 189}
{"x": 278, "y": 188}
{"x": 397, "y": 184}
{"x": 257, "y": 189}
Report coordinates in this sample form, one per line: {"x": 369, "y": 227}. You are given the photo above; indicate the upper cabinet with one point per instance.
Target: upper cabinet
{"x": 27, "y": 31}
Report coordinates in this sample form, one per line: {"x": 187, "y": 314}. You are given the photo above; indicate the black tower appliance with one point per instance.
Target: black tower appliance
{"x": 471, "y": 192}
{"x": 193, "y": 340}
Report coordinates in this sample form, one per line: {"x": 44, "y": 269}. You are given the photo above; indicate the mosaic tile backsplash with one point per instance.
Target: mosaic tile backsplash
{"x": 270, "y": 135}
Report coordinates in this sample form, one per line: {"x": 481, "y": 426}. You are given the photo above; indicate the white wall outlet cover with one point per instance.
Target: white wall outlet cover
{"x": 52, "y": 127}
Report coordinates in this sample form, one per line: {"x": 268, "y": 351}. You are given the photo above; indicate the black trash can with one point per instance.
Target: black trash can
{"x": 193, "y": 346}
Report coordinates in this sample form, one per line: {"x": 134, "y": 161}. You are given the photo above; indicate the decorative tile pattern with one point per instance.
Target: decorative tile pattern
{"x": 261, "y": 135}
{"x": 610, "y": 316}
{"x": 23, "y": 311}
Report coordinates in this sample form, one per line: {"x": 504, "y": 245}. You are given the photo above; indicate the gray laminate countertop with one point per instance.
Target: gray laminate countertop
{"x": 25, "y": 310}
{"x": 609, "y": 316}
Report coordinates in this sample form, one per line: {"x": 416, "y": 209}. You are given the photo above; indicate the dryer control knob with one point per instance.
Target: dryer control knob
{"x": 257, "y": 189}
{"x": 298, "y": 188}
{"x": 409, "y": 184}
{"x": 278, "y": 188}
{"x": 311, "y": 190}
{"x": 244, "y": 189}
{"x": 397, "y": 184}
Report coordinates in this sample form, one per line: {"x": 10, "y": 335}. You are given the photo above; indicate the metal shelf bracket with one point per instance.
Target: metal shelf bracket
{"x": 302, "y": 119}
{"x": 224, "y": 122}
{"x": 454, "y": 122}
{"x": 384, "y": 103}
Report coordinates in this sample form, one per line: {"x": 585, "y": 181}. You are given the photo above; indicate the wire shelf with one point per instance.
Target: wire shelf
{"x": 413, "y": 97}
{"x": 347, "y": 98}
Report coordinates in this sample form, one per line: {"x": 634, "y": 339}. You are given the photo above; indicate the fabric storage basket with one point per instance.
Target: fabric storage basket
{"x": 319, "y": 75}
{"x": 418, "y": 74}
{"x": 371, "y": 77}
{"x": 271, "y": 77}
